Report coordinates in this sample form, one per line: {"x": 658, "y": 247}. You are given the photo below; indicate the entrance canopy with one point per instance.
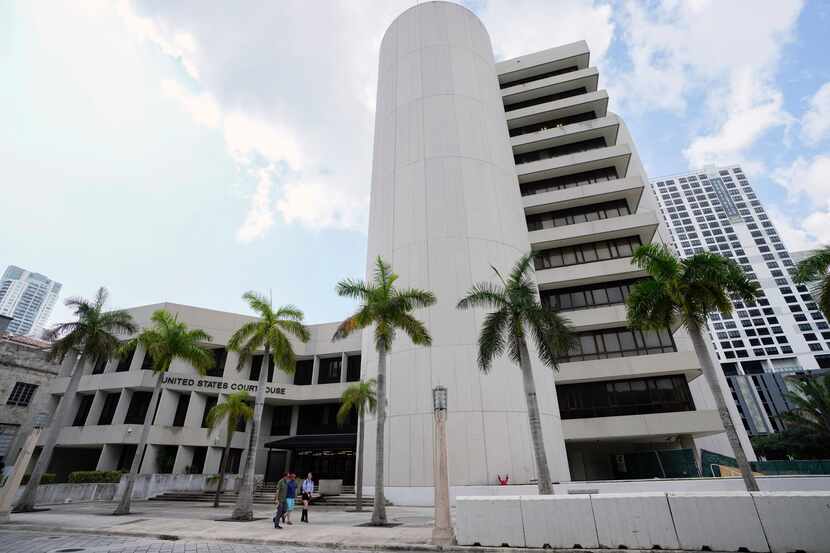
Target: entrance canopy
{"x": 315, "y": 441}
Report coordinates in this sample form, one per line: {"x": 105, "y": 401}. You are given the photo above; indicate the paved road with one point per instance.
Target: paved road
{"x": 13, "y": 541}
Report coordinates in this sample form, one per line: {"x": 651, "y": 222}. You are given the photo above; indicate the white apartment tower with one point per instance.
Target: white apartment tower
{"x": 715, "y": 209}
{"x": 28, "y": 298}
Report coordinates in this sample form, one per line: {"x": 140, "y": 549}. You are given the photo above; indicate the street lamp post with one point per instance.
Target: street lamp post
{"x": 442, "y": 532}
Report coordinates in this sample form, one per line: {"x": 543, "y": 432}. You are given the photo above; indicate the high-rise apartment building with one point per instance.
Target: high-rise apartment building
{"x": 475, "y": 164}
{"x": 28, "y": 298}
{"x": 716, "y": 210}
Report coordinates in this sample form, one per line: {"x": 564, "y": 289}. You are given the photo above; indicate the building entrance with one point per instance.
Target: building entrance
{"x": 326, "y": 456}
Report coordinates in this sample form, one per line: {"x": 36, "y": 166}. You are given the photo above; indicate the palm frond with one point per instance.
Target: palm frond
{"x": 553, "y": 335}
{"x": 355, "y": 289}
{"x": 412, "y": 327}
{"x": 813, "y": 267}
{"x": 484, "y": 295}
{"x": 491, "y": 339}
{"x": 657, "y": 260}
{"x": 257, "y": 302}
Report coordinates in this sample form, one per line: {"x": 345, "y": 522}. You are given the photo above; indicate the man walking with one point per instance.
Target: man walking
{"x": 290, "y": 497}
{"x": 282, "y": 493}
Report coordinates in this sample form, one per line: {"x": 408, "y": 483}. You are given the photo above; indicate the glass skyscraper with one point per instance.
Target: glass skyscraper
{"x": 28, "y": 298}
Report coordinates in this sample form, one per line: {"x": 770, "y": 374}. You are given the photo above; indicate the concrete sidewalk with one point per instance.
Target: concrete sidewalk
{"x": 329, "y": 527}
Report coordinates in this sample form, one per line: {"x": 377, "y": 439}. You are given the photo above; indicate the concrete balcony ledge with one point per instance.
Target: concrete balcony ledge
{"x": 95, "y": 435}
{"x": 658, "y": 364}
{"x": 597, "y": 318}
{"x": 618, "y": 156}
{"x": 587, "y": 273}
{"x": 590, "y": 101}
{"x": 581, "y": 78}
{"x": 651, "y": 426}
{"x": 606, "y": 127}
{"x": 629, "y": 188}
{"x": 643, "y": 224}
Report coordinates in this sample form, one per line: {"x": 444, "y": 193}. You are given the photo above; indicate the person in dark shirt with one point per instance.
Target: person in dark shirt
{"x": 282, "y": 493}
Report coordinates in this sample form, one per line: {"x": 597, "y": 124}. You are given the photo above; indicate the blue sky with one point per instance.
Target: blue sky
{"x": 191, "y": 151}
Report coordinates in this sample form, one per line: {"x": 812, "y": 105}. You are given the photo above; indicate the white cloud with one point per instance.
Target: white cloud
{"x": 246, "y": 137}
{"x": 523, "y": 26}
{"x": 260, "y": 216}
{"x": 815, "y": 124}
{"x": 806, "y": 177}
{"x": 202, "y": 107}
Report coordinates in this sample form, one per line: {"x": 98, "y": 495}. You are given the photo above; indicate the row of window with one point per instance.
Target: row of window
{"x": 582, "y": 297}
{"x": 587, "y": 253}
{"x": 619, "y": 342}
{"x": 561, "y": 150}
{"x": 576, "y": 215}
{"x": 553, "y": 123}
{"x": 545, "y": 99}
{"x": 554, "y": 73}
{"x": 641, "y": 396}
{"x": 568, "y": 181}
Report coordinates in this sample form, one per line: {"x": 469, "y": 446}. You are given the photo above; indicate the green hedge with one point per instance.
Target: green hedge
{"x": 94, "y": 476}
{"x": 47, "y": 478}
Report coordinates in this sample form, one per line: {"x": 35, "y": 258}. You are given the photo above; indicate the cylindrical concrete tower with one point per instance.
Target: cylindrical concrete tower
{"x": 445, "y": 207}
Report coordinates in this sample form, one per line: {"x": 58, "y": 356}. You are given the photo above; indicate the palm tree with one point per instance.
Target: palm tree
{"x": 519, "y": 315}
{"x": 271, "y": 332}
{"x": 360, "y": 397}
{"x": 389, "y": 310}
{"x": 167, "y": 339}
{"x": 814, "y": 270}
{"x": 811, "y": 414}
{"x": 234, "y": 409}
{"x": 684, "y": 292}
{"x": 92, "y": 336}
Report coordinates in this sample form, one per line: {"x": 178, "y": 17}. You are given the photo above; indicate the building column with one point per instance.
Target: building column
{"x": 212, "y": 460}
{"x": 184, "y": 458}
{"x": 148, "y": 465}
{"x": 167, "y": 408}
{"x": 315, "y": 370}
{"x": 123, "y": 404}
{"x": 195, "y": 410}
{"x": 344, "y": 363}
{"x": 108, "y": 459}
{"x": 95, "y": 409}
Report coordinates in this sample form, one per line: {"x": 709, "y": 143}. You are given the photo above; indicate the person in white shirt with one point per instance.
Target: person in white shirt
{"x": 306, "y": 490}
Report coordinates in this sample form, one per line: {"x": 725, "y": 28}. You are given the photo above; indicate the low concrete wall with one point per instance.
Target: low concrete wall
{"x": 151, "y": 485}
{"x": 776, "y": 522}
{"x": 53, "y": 494}
{"x": 422, "y": 496}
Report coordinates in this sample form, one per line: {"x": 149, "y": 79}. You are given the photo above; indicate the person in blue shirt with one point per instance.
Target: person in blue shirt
{"x": 307, "y": 489}
{"x": 290, "y": 497}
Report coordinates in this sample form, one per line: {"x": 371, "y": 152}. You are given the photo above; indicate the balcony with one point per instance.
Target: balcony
{"x": 629, "y": 188}
{"x": 538, "y": 64}
{"x": 524, "y": 91}
{"x": 590, "y": 101}
{"x": 657, "y": 364}
{"x": 616, "y": 156}
{"x": 655, "y": 427}
{"x": 588, "y": 273}
{"x": 643, "y": 224}
{"x": 604, "y": 127}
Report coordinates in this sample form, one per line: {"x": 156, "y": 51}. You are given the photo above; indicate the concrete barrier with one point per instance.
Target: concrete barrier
{"x": 55, "y": 494}
{"x": 795, "y": 521}
{"x": 490, "y": 521}
{"x": 725, "y": 521}
{"x": 635, "y": 521}
{"x": 559, "y": 521}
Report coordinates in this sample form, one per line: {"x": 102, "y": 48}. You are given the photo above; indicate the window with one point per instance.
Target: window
{"x": 281, "y": 420}
{"x": 210, "y": 403}
{"x": 546, "y": 99}
{"x": 21, "y": 394}
{"x": 580, "y": 297}
{"x": 303, "y": 372}
{"x": 353, "y": 368}
{"x": 624, "y": 397}
{"x": 256, "y": 366}
{"x": 569, "y": 181}
{"x": 538, "y": 77}
{"x": 84, "y": 405}
{"x": 137, "y": 411}
{"x": 553, "y": 123}
{"x": 181, "y": 409}
{"x": 220, "y": 356}
{"x": 577, "y": 215}
{"x": 125, "y": 362}
{"x": 329, "y": 370}
{"x": 620, "y": 342}
{"x": 587, "y": 253}
{"x": 561, "y": 150}
{"x": 147, "y": 362}
{"x": 100, "y": 365}
{"x": 108, "y": 409}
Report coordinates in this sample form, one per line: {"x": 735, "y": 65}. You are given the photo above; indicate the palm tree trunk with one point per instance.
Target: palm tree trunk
{"x": 712, "y": 379}
{"x": 127, "y": 497}
{"x": 27, "y": 500}
{"x": 542, "y": 470}
{"x": 359, "y": 480}
{"x": 224, "y": 467}
{"x": 379, "y": 507}
{"x": 244, "y": 509}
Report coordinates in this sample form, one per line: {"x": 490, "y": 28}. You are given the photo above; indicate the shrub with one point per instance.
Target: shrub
{"x": 95, "y": 476}
{"x": 47, "y": 478}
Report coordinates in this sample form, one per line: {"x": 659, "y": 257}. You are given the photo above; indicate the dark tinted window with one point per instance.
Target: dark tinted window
{"x": 624, "y": 397}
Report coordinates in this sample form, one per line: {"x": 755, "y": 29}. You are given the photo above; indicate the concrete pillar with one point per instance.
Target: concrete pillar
{"x": 195, "y": 410}
{"x": 148, "y": 465}
{"x": 167, "y": 408}
{"x": 95, "y": 409}
{"x": 231, "y": 364}
{"x": 315, "y": 370}
{"x": 445, "y": 209}
{"x": 108, "y": 459}
{"x": 138, "y": 358}
{"x": 295, "y": 418}
{"x": 212, "y": 460}
{"x": 344, "y": 362}
{"x": 123, "y": 405}
{"x": 184, "y": 458}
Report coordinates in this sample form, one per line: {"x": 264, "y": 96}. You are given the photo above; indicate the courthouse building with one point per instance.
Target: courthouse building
{"x": 475, "y": 163}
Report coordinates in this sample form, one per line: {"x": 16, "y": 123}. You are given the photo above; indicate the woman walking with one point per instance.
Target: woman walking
{"x": 307, "y": 489}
